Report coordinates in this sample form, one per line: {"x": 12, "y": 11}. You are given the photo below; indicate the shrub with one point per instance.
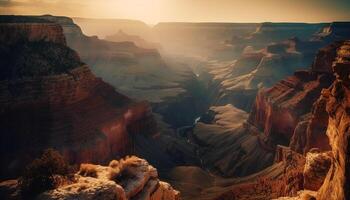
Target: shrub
{"x": 123, "y": 169}
{"x": 44, "y": 173}
{"x": 87, "y": 169}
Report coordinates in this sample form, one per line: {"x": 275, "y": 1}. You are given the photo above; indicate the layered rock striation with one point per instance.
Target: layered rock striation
{"x": 327, "y": 173}
{"x": 337, "y": 182}
{"x": 287, "y": 110}
{"x": 15, "y": 29}
{"x": 49, "y": 98}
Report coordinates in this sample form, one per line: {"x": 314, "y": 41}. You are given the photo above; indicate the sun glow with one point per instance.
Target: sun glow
{"x": 153, "y": 11}
{"x": 146, "y": 10}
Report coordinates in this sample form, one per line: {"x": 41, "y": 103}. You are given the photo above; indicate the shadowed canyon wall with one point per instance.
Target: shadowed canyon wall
{"x": 50, "y": 98}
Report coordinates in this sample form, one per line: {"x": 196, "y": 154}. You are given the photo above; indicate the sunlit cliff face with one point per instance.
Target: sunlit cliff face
{"x": 154, "y": 11}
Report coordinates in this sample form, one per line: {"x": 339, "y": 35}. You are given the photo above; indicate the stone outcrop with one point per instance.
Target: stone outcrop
{"x": 316, "y": 168}
{"x": 277, "y": 110}
{"x": 69, "y": 109}
{"x": 145, "y": 185}
{"x": 253, "y": 70}
{"x": 283, "y": 112}
{"x": 335, "y": 31}
{"x": 311, "y": 128}
{"x": 227, "y": 145}
{"x": 337, "y": 182}
{"x": 328, "y": 172}
{"x": 302, "y": 195}
{"x": 325, "y": 58}
{"x": 273, "y": 32}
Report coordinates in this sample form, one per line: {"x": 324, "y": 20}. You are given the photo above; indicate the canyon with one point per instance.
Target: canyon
{"x": 56, "y": 101}
{"x": 222, "y": 110}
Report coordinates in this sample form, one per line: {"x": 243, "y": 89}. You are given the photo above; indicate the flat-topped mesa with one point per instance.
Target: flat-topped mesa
{"x": 49, "y": 98}
{"x": 273, "y": 32}
{"x": 278, "y": 110}
{"x": 70, "y": 29}
{"x": 335, "y": 31}
{"x": 15, "y": 29}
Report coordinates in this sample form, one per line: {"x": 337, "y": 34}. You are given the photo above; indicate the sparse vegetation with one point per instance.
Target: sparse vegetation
{"x": 87, "y": 169}
{"x": 123, "y": 169}
{"x": 44, "y": 173}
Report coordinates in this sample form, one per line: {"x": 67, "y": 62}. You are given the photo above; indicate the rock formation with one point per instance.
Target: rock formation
{"x": 121, "y": 36}
{"x": 255, "y": 69}
{"x": 282, "y": 111}
{"x": 136, "y": 180}
{"x": 227, "y": 145}
{"x": 144, "y": 185}
{"x": 337, "y": 182}
{"x": 274, "y": 32}
{"x": 49, "y": 98}
{"x": 315, "y": 170}
{"x": 335, "y": 31}
{"x": 14, "y": 29}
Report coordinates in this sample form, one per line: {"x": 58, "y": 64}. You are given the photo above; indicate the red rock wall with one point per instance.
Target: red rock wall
{"x": 76, "y": 113}
{"x": 277, "y": 110}
{"x": 280, "y": 111}
{"x": 324, "y": 59}
{"x": 337, "y": 182}
{"x": 311, "y": 132}
{"x": 11, "y": 33}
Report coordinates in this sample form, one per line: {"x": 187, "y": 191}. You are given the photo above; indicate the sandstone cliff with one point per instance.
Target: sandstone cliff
{"x": 283, "y": 112}
{"x": 255, "y": 69}
{"x": 15, "y": 29}
{"x": 337, "y": 182}
{"x": 49, "y": 98}
{"x": 334, "y": 185}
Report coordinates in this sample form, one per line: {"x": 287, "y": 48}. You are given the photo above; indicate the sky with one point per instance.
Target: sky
{"x": 154, "y": 11}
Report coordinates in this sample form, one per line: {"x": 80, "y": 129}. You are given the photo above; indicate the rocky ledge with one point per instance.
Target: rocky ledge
{"x": 142, "y": 185}
{"x": 129, "y": 178}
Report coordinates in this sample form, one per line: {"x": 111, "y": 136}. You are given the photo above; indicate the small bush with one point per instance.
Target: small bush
{"x": 123, "y": 169}
{"x": 44, "y": 173}
{"x": 87, "y": 169}
{"x": 114, "y": 164}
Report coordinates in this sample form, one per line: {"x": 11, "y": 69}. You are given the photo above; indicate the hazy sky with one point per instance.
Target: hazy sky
{"x": 153, "y": 11}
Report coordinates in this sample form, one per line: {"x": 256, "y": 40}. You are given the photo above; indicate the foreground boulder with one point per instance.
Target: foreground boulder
{"x": 316, "y": 169}
{"x": 143, "y": 185}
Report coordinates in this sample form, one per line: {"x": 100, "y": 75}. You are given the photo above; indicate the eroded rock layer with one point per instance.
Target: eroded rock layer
{"x": 337, "y": 182}
{"x": 49, "y": 98}
{"x": 284, "y": 109}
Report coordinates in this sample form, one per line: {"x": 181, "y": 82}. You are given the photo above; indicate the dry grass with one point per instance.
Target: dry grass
{"x": 123, "y": 169}
{"x": 47, "y": 172}
{"x": 88, "y": 170}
